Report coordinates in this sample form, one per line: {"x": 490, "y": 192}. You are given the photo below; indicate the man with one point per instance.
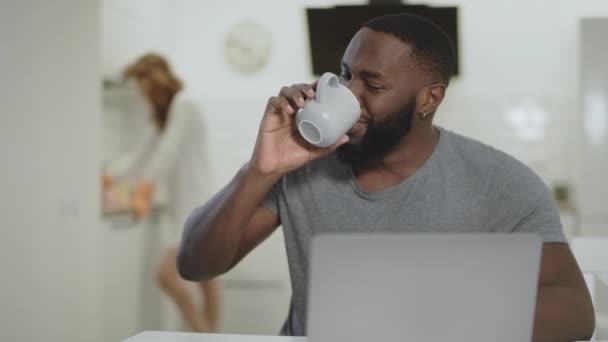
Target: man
{"x": 394, "y": 171}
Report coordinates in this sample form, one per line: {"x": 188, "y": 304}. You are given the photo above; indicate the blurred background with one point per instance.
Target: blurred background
{"x": 77, "y": 266}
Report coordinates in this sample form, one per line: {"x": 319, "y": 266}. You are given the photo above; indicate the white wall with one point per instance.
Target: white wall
{"x": 48, "y": 141}
{"x": 131, "y": 28}
{"x": 594, "y": 132}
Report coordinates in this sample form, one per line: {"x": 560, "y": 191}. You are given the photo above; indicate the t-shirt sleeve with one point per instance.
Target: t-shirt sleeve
{"x": 543, "y": 218}
{"x": 525, "y": 204}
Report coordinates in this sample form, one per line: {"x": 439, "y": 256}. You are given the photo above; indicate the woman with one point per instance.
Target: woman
{"x": 170, "y": 158}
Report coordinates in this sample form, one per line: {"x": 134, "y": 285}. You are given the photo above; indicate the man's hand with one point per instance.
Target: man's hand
{"x": 279, "y": 147}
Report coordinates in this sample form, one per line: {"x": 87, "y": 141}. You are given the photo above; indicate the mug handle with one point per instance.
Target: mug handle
{"x": 327, "y": 80}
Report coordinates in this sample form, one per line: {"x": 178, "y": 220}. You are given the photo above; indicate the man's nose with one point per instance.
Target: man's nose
{"x": 355, "y": 88}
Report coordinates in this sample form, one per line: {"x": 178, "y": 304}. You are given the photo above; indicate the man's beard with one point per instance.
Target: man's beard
{"x": 379, "y": 139}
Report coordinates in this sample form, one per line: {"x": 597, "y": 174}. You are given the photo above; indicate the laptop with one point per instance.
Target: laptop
{"x": 423, "y": 287}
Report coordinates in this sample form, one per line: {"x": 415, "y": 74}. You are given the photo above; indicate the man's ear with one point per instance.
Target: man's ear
{"x": 431, "y": 97}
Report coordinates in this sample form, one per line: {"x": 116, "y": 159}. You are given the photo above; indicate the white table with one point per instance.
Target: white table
{"x": 161, "y": 336}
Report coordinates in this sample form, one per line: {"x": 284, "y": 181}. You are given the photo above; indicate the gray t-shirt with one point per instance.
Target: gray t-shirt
{"x": 465, "y": 186}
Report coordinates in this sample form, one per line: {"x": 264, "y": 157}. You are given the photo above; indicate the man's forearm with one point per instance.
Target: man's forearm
{"x": 562, "y": 315}
{"x": 212, "y": 232}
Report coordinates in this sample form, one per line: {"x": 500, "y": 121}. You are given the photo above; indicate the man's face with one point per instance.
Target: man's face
{"x": 378, "y": 69}
{"x": 379, "y": 138}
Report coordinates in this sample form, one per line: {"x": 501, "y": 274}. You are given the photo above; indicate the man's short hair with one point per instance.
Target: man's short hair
{"x": 431, "y": 46}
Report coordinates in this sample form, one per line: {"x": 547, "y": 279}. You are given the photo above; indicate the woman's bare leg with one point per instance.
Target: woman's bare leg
{"x": 172, "y": 284}
{"x": 212, "y": 302}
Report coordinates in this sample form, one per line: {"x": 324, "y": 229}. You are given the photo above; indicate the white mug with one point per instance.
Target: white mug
{"x": 331, "y": 114}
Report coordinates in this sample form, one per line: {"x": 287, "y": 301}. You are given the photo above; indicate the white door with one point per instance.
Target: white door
{"x": 49, "y": 105}
{"x": 593, "y": 196}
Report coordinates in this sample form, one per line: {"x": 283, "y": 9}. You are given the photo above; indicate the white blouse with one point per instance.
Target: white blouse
{"x": 174, "y": 160}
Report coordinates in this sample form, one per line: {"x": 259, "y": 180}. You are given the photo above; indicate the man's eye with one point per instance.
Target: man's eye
{"x": 345, "y": 76}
